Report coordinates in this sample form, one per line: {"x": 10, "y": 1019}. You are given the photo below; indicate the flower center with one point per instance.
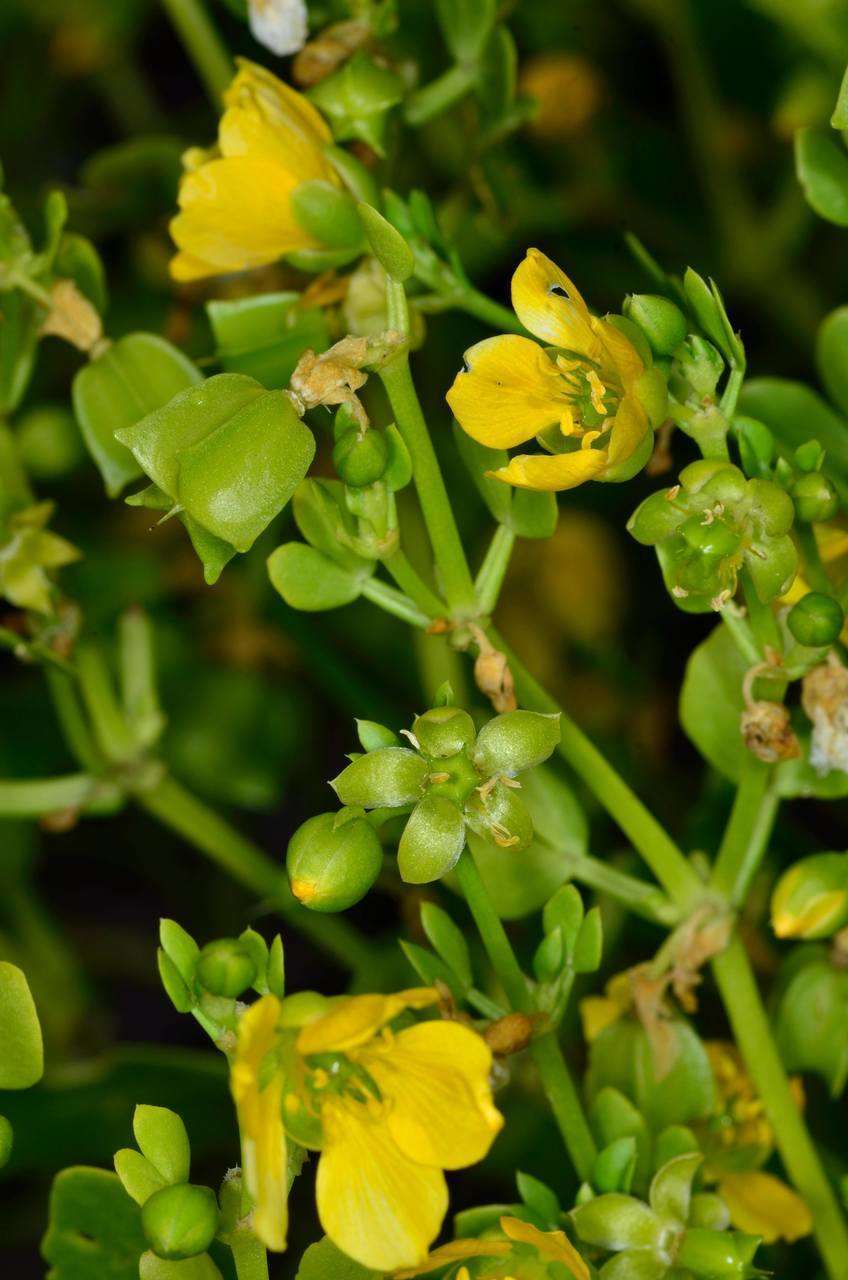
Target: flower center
{"x": 592, "y": 402}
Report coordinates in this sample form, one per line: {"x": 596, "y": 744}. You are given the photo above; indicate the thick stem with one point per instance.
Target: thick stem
{"x": 492, "y": 571}
{"x": 413, "y": 585}
{"x": 32, "y": 798}
{"x": 434, "y": 98}
{"x": 650, "y": 839}
{"x": 172, "y": 805}
{"x": 753, "y": 1035}
{"x": 747, "y": 832}
{"x": 203, "y": 45}
{"x": 483, "y": 308}
{"x": 646, "y": 900}
{"x": 435, "y": 504}
{"x": 545, "y": 1050}
{"x": 394, "y": 602}
{"x": 249, "y": 1256}
{"x": 814, "y": 570}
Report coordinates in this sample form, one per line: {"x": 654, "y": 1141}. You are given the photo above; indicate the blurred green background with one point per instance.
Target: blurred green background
{"x": 670, "y": 120}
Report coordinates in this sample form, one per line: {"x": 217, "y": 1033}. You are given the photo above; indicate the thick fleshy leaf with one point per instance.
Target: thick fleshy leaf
{"x": 21, "y": 1046}
{"x": 308, "y": 580}
{"x": 94, "y": 1231}
{"x": 822, "y": 167}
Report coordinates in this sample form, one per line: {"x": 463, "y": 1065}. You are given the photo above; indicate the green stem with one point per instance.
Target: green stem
{"x": 394, "y": 602}
{"x": 114, "y": 738}
{"x": 492, "y": 572}
{"x": 646, "y": 900}
{"x": 250, "y": 1257}
{"x": 545, "y": 1050}
{"x": 414, "y": 585}
{"x": 183, "y": 813}
{"x": 738, "y": 627}
{"x": 203, "y": 45}
{"x": 747, "y": 831}
{"x": 648, "y": 837}
{"x": 31, "y": 798}
{"x": 751, "y": 1029}
{"x": 492, "y": 313}
{"x": 72, "y": 721}
{"x": 435, "y": 504}
{"x": 434, "y": 98}
{"x": 814, "y": 570}
{"x": 760, "y": 616}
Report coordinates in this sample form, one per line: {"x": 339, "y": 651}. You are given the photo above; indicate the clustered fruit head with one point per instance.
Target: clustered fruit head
{"x": 447, "y": 778}
{"x": 713, "y": 524}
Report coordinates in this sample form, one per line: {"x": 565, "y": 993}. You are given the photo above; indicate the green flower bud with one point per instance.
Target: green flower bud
{"x": 390, "y": 776}
{"x": 432, "y": 840}
{"x": 815, "y": 498}
{"x": 709, "y": 1211}
{"x": 816, "y": 619}
{"x": 661, "y": 321}
{"x": 6, "y": 1141}
{"x": 810, "y": 1023}
{"x": 811, "y": 898}
{"x": 444, "y": 731}
{"x": 514, "y": 741}
{"x": 180, "y": 1221}
{"x": 327, "y": 214}
{"x": 356, "y": 100}
{"x": 616, "y": 1221}
{"x": 49, "y": 442}
{"x": 360, "y": 458}
{"x": 332, "y": 863}
{"x": 696, "y": 369}
{"x": 225, "y": 968}
{"x": 715, "y": 1254}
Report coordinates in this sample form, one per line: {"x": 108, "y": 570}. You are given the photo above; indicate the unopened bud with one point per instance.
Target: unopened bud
{"x": 180, "y": 1221}
{"x": 661, "y": 321}
{"x": 225, "y": 968}
{"x": 698, "y": 366}
{"x": 815, "y": 498}
{"x": 817, "y": 619}
{"x": 360, "y": 457}
{"x": 444, "y": 731}
{"x": 811, "y": 898}
{"x": 332, "y": 864}
{"x": 357, "y": 98}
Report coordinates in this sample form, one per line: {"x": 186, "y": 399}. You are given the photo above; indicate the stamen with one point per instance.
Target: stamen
{"x": 598, "y": 391}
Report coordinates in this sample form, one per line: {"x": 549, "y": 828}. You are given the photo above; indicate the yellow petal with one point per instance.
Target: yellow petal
{"x": 620, "y": 357}
{"x": 263, "y": 1139}
{"x": 597, "y": 1013}
{"x": 455, "y": 1251}
{"x": 186, "y": 268}
{"x": 379, "y": 1207}
{"x": 355, "y": 1020}
{"x": 510, "y": 391}
{"x": 549, "y": 305}
{"x": 552, "y": 1246}
{"x": 764, "y": 1206}
{"x": 629, "y": 428}
{"x": 560, "y": 471}
{"x": 235, "y": 214}
{"x": 268, "y": 120}
{"x": 436, "y": 1078}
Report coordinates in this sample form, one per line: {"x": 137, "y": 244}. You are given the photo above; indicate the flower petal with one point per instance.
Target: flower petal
{"x": 378, "y": 1206}
{"x": 551, "y": 1246}
{"x": 268, "y": 120}
{"x": 509, "y": 392}
{"x": 551, "y": 306}
{"x": 235, "y": 214}
{"x": 629, "y": 428}
{"x": 561, "y": 471}
{"x": 436, "y": 1078}
{"x": 620, "y": 357}
{"x": 765, "y": 1206}
{"x": 354, "y": 1020}
{"x": 597, "y": 1013}
{"x": 263, "y": 1139}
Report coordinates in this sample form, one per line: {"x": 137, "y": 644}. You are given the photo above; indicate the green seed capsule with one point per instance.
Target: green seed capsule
{"x": 814, "y": 498}
{"x": 663, "y": 323}
{"x": 225, "y": 968}
{"x": 361, "y": 458}
{"x": 332, "y": 865}
{"x": 180, "y": 1221}
{"x": 816, "y": 619}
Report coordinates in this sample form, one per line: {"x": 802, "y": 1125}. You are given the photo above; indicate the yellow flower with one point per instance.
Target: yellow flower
{"x": 235, "y": 205}
{"x": 513, "y": 389}
{"x": 549, "y": 1246}
{"x": 599, "y": 1012}
{"x": 740, "y": 1136}
{"x": 388, "y": 1109}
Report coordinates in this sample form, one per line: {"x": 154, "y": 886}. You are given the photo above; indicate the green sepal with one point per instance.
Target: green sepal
{"x": 432, "y": 840}
{"x": 94, "y": 1230}
{"x": 387, "y": 244}
{"x": 390, "y": 776}
{"x": 539, "y": 1197}
{"x": 162, "y": 1139}
{"x": 328, "y": 215}
{"x": 514, "y": 741}
{"x": 139, "y": 1178}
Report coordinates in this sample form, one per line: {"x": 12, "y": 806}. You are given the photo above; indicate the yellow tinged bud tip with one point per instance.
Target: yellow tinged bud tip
{"x": 304, "y": 890}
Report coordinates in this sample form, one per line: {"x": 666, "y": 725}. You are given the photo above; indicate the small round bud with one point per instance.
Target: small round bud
{"x": 225, "y": 968}
{"x": 663, "y": 323}
{"x": 816, "y": 619}
{"x": 49, "y": 442}
{"x": 180, "y": 1221}
{"x": 814, "y": 498}
{"x": 332, "y": 863}
{"x": 6, "y": 1141}
{"x": 811, "y": 898}
{"x": 360, "y": 458}
{"x": 444, "y": 731}
{"x": 699, "y": 365}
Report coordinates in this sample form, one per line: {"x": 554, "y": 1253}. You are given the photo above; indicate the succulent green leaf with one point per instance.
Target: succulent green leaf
{"x": 21, "y": 1045}
{"x": 308, "y": 580}
{"x": 447, "y": 941}
{"x": 139, "y": 1177}
{"x": 94, "y": 1230}
{"x": 821, "y": 164}
{"x": 162, "y": 1139}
